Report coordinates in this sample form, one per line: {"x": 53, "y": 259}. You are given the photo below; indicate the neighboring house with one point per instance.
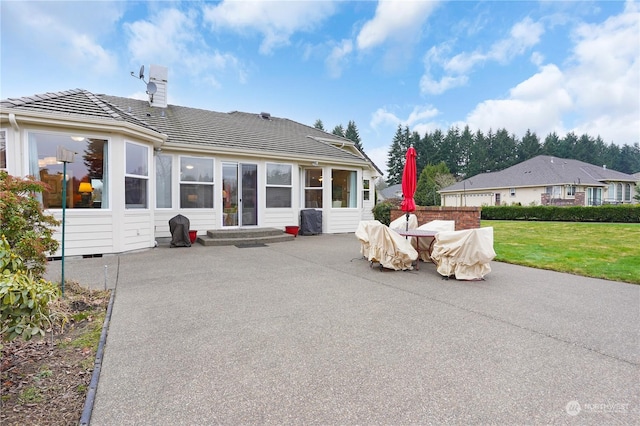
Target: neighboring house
{"x": 390, "y": 192}
{"x": 139, "y": 163}
{"x": 543, "y": 180}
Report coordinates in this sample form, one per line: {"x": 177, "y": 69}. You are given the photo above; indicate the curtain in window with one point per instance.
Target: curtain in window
{"x": 34, "y": 168}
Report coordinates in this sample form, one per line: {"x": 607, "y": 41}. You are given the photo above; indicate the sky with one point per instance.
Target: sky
{"x": 547, "y": 66}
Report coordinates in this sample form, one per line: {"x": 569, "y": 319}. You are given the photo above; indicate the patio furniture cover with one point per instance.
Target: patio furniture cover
{"x": 464, "y": 254}
{"x": 434, "y": 225}
{"x": 179, "y": 227}
{"x": 401, "y": 224}
{"x": 385, "y": 246}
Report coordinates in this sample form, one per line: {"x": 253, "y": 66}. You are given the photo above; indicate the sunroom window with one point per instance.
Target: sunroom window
{"x": 87, "y": 177}
{"x": 343, "y": 188}
{"x": 3, "y": 150}
{"x": 136, "y": 178}
{"x": 196, "y": 182}
{"x": 163, "y": 181}
{"x": 278, "y": 185}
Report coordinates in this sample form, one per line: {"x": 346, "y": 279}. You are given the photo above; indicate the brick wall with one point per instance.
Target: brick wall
{"x": 465, "y": 217}
{"x": 546, "y": 200}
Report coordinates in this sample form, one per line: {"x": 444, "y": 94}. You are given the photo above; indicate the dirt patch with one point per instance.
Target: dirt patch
{"x": 45, "y": 381}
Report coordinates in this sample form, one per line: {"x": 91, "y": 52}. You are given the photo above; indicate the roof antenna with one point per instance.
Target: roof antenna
{"x": 151, "y": 86}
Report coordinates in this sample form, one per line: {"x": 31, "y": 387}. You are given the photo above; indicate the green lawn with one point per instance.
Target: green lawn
{"x": 602, "y": 250}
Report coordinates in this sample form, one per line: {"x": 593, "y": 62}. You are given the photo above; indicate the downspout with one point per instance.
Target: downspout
{"x": 14, "y": 123}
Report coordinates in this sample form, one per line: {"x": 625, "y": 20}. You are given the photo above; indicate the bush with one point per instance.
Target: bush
{"x": 382, "y": 211}
{"x": 608, "y": 213}
{"x": 24, "y": 299}
{"x": 27, "y": 229}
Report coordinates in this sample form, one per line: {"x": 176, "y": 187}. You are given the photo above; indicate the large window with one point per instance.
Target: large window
{"x": 87, "y": 180}
{"x": 343, "y": 188}
{"x": 278, "y": 185}
{"x": 313, "y": 188}
{"x": 196, "y": 182}
{"x": 627, "y": 192}
{"x": 619, "y": 192}
{"x": 594, "y": 196}
{"x": 163, "y": 181}
{"x": 136, "y": 177}
{"x": 3, "y": 150}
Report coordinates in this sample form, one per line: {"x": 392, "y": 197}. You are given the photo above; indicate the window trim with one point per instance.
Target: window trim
{"x": 212, "y": 183}
{"x": 268, "y": 185}
{"x": 137, "y": 176}
{"x": 353, "y": 197}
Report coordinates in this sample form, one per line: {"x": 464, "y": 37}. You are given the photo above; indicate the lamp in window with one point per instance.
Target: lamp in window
{"x": 85, "y": 191}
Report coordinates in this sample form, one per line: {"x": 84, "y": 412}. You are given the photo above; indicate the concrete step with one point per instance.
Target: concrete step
{"x": 243, "y": 240}
{"x": 244, "y": 233}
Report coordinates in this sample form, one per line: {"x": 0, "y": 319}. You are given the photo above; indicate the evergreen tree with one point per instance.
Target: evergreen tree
{"x": 551, "y": 145}
{"x": 338, "y": 130}
{"x": 478, "y": 155}
{"x": 431, "y": 180}
{"x": 425, "y": 150}
{"x": 529, "y": 146}
{"x": 585, "y": 150}
{"x": 502, "y": 150}
{"x": 318, "y": 125}
{"x": 352, "y": 134}
{"x": 464, "y": 147}
{"x": 395, "y": 159}
{"x": 449, "y": 150}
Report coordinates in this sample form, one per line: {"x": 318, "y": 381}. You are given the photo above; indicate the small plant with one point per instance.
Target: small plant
{"x": 24, "y": 299}
{"x": 30, "y": 395}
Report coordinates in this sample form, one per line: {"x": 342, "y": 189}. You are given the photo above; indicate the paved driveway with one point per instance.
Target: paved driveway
{"x": 305, "y": 332}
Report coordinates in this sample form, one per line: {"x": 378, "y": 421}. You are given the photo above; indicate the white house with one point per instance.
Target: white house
{"x": 139, "y": 163}
{"x": 543, "y": 180}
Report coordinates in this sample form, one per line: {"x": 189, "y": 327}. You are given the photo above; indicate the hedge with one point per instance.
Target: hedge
{"x": 628, "y": 213}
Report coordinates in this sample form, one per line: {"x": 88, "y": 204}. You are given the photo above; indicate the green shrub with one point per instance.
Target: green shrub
{"x": 24, "y": 299}
{"x": 628, "y": 213}
{"x": 382, "y": 212}
{"x": 23, "y": 222}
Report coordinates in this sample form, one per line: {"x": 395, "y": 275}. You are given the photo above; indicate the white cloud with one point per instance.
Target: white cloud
{"x": 170, "y": 37}
{"x": 537, "y": 104}
{"x": 379, "y": 157}
{"x": 420, "y": 119}
{"x": 70, "y": 32}
{"x": 337, "y": 58}
{"x": 277, "y": 21}
{"x": 397, "y": 20}
{"x": 522, "y": 36}
{"x": 595, "y": 93}
{"x": 604, "y": 70}
{"x": 382, "y": 117}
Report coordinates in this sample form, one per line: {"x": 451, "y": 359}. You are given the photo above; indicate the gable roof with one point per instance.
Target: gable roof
{"x": 542, "y": 170}
{"x": 199, "y": 129}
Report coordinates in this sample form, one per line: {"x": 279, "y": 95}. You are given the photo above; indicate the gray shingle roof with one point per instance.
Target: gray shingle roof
{"x": 238, "y": 131}
{"x": 71, "y": 103}
{"x": 542, "y": 170}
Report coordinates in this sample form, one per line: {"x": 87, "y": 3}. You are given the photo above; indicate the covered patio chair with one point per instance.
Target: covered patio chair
{"x": 464, "y": 254}
{"x": 381, "y": 244}
{"x": 434, "y": 225}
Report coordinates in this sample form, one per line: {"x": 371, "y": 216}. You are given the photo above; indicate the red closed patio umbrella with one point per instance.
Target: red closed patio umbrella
{"x": 409, "y": 183}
